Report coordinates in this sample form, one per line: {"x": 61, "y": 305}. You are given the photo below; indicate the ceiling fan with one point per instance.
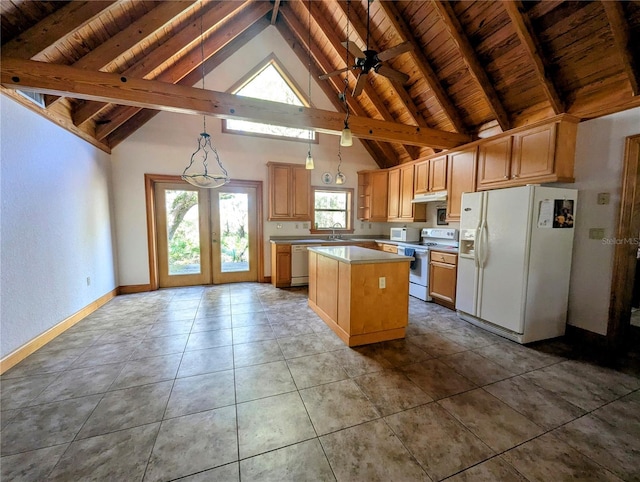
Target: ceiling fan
{"x": 370, "y": 60}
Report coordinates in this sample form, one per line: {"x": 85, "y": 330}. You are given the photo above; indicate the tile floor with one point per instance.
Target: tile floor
{"x": 245, "y": 382}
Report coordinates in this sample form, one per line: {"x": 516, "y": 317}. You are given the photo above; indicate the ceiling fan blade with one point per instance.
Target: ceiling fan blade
{"x": 354, "y": 49}
{"x": 362, "y": 79}
{"x": 390, "y": 73}
{"x": 397, "y": 50}
{"x": 331, "y": 74}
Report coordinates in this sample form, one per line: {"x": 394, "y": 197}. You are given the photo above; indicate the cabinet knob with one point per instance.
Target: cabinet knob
{"x": 515, "y": 176}
{"x": 506, "y": 177}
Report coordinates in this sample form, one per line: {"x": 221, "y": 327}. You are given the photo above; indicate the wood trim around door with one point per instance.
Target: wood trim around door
{"x": 624, "y": 260}
{"x": 150, "y": 192}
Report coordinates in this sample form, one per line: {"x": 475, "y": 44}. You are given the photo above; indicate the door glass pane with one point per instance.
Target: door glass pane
{"x": 234, "y": 231}
{"x": 183, "y": 232}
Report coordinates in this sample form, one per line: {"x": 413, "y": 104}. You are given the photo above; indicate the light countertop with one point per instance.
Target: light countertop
{"x": 358, "y": 255}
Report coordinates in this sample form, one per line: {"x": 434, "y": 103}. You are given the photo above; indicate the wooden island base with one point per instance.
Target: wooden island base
{"x": 344, "y": 290}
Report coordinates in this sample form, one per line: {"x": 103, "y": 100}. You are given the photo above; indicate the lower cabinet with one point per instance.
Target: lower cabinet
{"x": 443, "y": 269}
{"x": 281, "y": 265}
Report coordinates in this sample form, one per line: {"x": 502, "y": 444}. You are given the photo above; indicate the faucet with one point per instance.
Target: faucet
{"x": 333, "y": 231}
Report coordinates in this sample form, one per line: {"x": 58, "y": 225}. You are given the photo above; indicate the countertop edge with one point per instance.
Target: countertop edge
{"x": 384, "y": 257}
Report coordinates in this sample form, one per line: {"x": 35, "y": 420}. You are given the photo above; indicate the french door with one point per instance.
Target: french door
{"x": 207, "y": 235}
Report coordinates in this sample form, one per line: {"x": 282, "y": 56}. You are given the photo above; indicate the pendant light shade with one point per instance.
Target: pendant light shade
{"x": 197, "y": 172}
{"x": 308, "y": 163}
{"x": 346, "y": 139}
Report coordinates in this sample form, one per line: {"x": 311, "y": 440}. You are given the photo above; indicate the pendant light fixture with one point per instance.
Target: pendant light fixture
{"x": 346, "y": 139}
{"x": 308, "y": 163}
{"x": 197, "y": 172}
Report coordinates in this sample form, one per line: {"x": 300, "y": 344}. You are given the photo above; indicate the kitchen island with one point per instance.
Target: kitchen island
{"x": 361, "y": 294}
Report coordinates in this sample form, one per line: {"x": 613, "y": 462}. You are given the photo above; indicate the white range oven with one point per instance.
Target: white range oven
{"x": 419, "y": 268}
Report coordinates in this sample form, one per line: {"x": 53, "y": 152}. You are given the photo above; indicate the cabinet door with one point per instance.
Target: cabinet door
{"x": 301, "y": 190}
{"x": 422, "y": 177}
{"x": 494, "y": 162}
{"x": 279, "y": 192}
{"x": 442, "y": 281}
{"x": 461, "y": 177}
{"x": 281, "y": 265}
{"x": 394, "y": 195}
{"x": 534, "y": 152}
{"x": 438, "y": 174}
{"x": 406, "y": 192}
{"x": 378, "y": 185}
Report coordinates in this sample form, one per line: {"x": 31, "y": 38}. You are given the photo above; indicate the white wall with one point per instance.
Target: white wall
{"x": 598, "y": 168}
{"x": 55, "y": 227}
{"x": 164, "y": 145}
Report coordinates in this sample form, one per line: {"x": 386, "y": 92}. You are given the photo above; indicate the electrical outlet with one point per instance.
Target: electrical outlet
{"x": 88, "y": 280}
{"x": 382, "y": 282}
{"x": 279, "y": 226}
{"x": 305, "y": 226}
{"x": 603, "y": 198}
{"x": 596, "y": 233}
{"x": 297, "y": 225}
{"x": 369, "y": 225}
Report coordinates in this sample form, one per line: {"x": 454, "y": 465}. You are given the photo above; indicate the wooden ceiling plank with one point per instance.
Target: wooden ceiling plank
{"x": 130, "y": 37}
{"x": 54, "y": 28}
{"x": 188, "y": 67}
{"x": 458, "y": 35}
{"x": 369, "y": 91}
{"x": 533, "y": 49}
{"x": 293, "y": 31}
{"x": 404, "y": 32}
{"x": 179, "y": 41}
{"x": 622, "y": 37}
{"x": 119, "y": 89}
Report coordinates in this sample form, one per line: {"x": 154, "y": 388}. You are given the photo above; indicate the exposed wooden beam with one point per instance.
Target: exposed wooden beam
{"x": 622, "y": 36}
{"x": 274, "y": 14}
{"x": 54, "y": 28}
{"x": 190, "y": 63}
{"x": 473, "y": 63}
{"x": 116, "y": 88}
{"x": 144, "y": 115}
{"x": 533, "y": 49}
{"x": 177, "y": 43}
{"x": 126, "y": 39}
{"x": 369, "y": 91}
{"x": 291, "y": 30}
{"x": 406, "y": 35}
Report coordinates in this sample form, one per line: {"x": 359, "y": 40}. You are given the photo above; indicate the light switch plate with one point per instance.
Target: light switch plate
{"x": 382, "y": 282}
{"x": 604, "y": 197}
{"x": 596, "y": 233}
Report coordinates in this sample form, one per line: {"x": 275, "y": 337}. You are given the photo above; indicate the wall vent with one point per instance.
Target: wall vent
{"x": 36, "y": 97}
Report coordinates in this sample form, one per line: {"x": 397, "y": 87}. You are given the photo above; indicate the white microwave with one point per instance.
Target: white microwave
{"x": 407, "y": 235}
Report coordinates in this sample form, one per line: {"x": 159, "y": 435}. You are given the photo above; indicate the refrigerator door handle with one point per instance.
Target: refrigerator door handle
{"x": 476, "y": 249}
{"x": 484, "y": 241}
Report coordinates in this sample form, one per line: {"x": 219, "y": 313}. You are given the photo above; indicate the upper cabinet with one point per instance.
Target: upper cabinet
{"x": 289, "y": 192}
{"x": 401, "y": 193}
{"x": 372, "y": 195}
{"x": 542, "y": 153}
{"x": 461, "y": 177}
{"x": 430, "y": 175}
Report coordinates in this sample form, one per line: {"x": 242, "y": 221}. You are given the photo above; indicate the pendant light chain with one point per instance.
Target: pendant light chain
{"x": 204, "y": 118}
{"x": 309, "y": 161}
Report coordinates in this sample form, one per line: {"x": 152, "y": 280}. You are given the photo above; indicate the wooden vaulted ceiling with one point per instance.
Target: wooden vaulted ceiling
{"x": 476, "y": 68}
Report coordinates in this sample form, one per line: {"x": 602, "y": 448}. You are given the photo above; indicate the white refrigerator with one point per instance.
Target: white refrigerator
{"x": 515, "y": 260}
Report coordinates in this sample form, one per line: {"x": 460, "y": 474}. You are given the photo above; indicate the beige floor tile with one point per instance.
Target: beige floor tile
{"x": 437, "y": 379}
{"x": 493, "y": 470}
{"x": 391, "y": 391}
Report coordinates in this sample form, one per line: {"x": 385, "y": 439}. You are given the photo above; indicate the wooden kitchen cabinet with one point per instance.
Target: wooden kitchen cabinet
{"x": 541, "y": 153}
{"x": 289, "y": 192}
{"x": 280, "y": 265}
{"x": 372, "y": 196}
{"x": 430, "y": 175}
{"x": 443, "y": 269}
{"x": 401, "y": 193}
{"x": 389, "y": 248}
{"x": 461, "y": 177}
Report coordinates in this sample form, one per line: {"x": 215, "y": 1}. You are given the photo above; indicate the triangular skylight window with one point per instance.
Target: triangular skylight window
{"x": 269, "y": 82}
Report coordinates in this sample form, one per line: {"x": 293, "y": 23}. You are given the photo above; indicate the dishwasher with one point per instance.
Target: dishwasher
{"x": 299, "y": 265}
